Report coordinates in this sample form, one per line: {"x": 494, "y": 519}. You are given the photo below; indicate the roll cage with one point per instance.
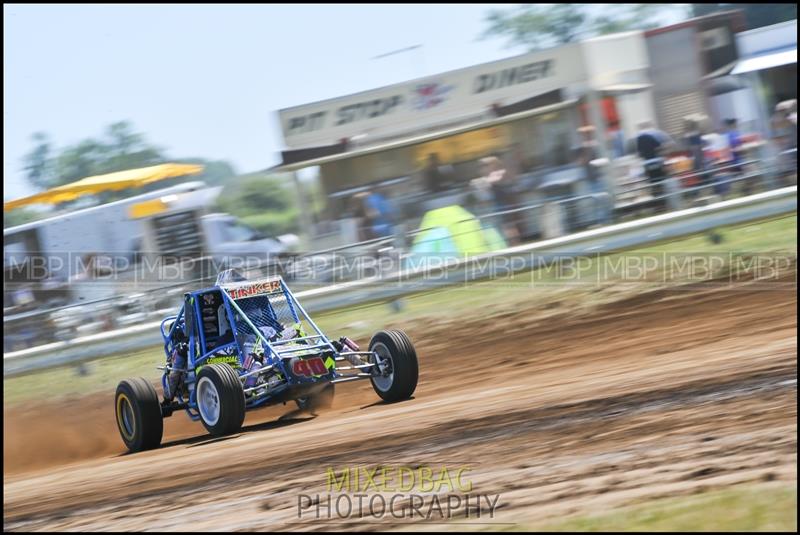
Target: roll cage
{"x": 229, "y": 321}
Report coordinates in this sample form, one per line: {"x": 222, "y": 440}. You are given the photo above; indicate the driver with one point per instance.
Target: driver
{"x": 177, "y": 363}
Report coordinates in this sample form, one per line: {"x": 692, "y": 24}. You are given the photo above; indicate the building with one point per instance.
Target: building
{"x": 690, "y": 63}
{"x": 385, "y": 136}
{"x": 768, "y": 68}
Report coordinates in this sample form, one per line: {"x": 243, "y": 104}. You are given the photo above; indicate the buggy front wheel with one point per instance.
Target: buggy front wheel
{"x": 220, "y": 399}
{"x": 396, "y": 372}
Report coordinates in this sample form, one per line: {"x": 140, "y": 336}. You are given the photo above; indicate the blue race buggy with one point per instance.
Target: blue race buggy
{"x": 244, "y": 344}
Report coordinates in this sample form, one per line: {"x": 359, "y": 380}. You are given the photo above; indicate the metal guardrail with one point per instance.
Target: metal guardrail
{"x": 601, "y": 240}
{"x": 88, "y": 308}
{"x": 576, "y": 216}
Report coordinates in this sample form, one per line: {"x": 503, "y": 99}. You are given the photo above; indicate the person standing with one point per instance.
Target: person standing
{"x": 380, "y": 214}
{"x": 694, "y": 144}
{"x": 516, "y": 163}
{"x": 497, "y": 178}
{"x": 784, "y": 138}
{"x": 734, "y": 141}
{"x": 358, "y": 209}
{"x": 651, "y": 145}
{"x": 501, "y": 188}
{"x": 616, "y": 137}
{"x": 587, "y": 158}
{"x": 437, "y": 177}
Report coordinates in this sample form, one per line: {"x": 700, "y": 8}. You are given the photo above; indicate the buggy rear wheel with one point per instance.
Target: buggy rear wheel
{"x": 220, "y": 399}
{"x": 138, "y": 414}
{"x": 397, "y": 370}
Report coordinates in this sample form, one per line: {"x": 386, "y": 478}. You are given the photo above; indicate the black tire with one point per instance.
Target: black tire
{"x": 322, "y": 400}
{"x": 222, "y": 384}
{"x": 404, "y": 373}
{"x": 138, "y": 414}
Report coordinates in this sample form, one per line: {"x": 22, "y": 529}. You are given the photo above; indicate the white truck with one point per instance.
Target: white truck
{"x": 122, "y": 246}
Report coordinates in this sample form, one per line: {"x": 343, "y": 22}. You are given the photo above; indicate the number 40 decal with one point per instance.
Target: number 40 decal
{"x": 307, "y": 368}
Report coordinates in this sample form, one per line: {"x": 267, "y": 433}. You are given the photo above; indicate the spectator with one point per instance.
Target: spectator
{"x": 482, "y": 193}
{"x": 560, "y": 155}
{"x": 587, "y": 155}
{"x": 784, "y": 138}
{"x": 791, "y": 112}
{"x": 785, "y": 124}
{"x": 734, "y": 141}
{"x": 501, "y": 187}
{"x": 437, "y": 177}
{"x": 651, "y": 145}
{"x": 358, "y": 207}
{"x": 499, "y": 181}
{"x": 380, "y": 214}
{"x": 694, "y": 144}
{"x": 716, "y": 149}
{"x": 516, "y": 163}
{"x": 616, "y": 139}
{"x": 587, "y": 152}
{"x": 489, "y": 187}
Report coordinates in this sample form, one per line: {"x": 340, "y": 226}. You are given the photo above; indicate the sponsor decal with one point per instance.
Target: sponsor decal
{"x": 350, "y": 113}
{"x": 310, "y": 367}
{"x": 233, "y": 360}
{"x": 514, "y": 75}
{"x": 255, "y": 289}
{"x": 367, "y": 110}
{"x": 307, "y": 123}
{"x": 427, "y": 96}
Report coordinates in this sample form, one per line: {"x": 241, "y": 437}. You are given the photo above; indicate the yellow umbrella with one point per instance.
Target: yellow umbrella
{"x": 110, "y": 182}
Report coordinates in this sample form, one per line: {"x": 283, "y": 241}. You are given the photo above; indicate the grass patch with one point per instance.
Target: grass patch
{"x": 485, "y": 298}
{"x": 545, "y": 287}
{"x": 737, "y": 509}
{"x": 102, "y": 375}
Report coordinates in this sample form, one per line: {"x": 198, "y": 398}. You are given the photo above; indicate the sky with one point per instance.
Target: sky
{"x": 207, "y": 80}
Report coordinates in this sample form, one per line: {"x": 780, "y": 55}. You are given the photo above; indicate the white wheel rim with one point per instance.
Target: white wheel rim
{"x": 208, "y": 401}
{"x": 383, "y": 382}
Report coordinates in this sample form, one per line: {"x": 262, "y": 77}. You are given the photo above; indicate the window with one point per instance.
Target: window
{"x": 238, "y": 232}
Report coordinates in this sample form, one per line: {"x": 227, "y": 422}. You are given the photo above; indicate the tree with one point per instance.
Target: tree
{"x": 256, "y": 193}
{"x": 120, "y": 148}
{"x": 79, "y": 161}
{"x": 261, "y": 201}
{"x": 537, "y": 26}
{"x": 38, "y": 163}
{"x": 215, "y": 172}
{"x": 756, "y": 15}
{"x": 20, "y": 216}
{"x": 126, "y": 149}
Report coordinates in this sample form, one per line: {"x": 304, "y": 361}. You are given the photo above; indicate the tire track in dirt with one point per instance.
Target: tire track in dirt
{"x": 752, "y": 461}
{"x": 658, "y": 397}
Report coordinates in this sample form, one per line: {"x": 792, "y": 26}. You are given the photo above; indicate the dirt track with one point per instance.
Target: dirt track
{"x": 668, "y": 394}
